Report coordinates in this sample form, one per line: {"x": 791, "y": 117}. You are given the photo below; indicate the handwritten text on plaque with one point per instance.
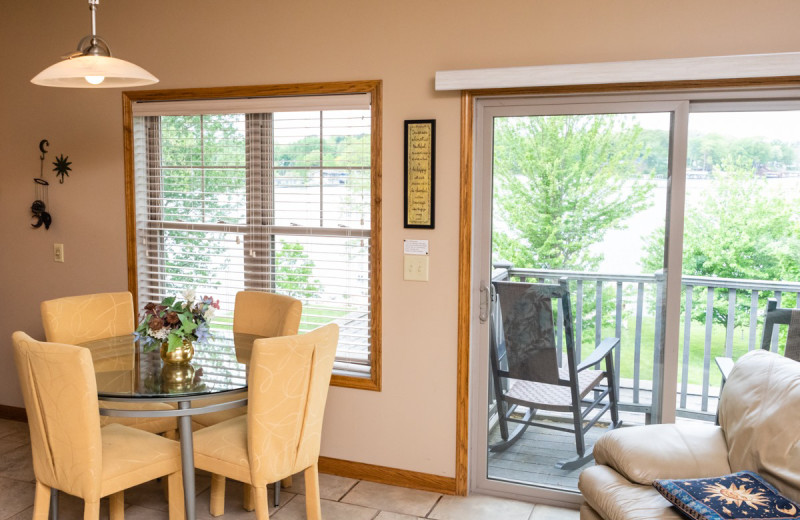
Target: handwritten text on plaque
{"x": 419, "y": 196}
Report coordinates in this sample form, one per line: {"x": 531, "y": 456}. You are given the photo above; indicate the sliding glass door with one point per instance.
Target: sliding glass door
{"x": 741, "y": 239}
{"x": 669, "y": 219}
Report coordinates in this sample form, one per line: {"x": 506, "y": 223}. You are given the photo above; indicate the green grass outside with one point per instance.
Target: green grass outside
{"x": 313, "y": 317}
{"x": 696, "y": 350}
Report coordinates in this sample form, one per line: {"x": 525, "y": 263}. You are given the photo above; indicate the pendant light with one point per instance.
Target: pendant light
{"x": 93, "y": 67}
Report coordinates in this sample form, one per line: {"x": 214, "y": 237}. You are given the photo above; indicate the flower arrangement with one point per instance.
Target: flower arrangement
{"x": 175, "y": 321}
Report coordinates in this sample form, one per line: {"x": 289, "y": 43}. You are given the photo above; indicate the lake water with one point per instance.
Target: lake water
{"x": 622, "y": 249}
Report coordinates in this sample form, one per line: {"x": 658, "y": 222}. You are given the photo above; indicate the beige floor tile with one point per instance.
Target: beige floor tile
{"x": 7, "y": 427}
{"x": 480, "y": 507}
{"x": 331, "y": 487}
{"x": 17, "y": 464}
{"x": 15, "y": 496}
{"x": 71, "y": 508}
{"x": 542, "y": 512}
{"x": 296, "y": 510}
{"x": 13, "y": 441}
{"x": 386, "y": 515}
{"x": 26, "y": 514}
{"x": 149, "y": 495}
{"x": 411, "y": 502}
{"x": 142, "y": 513}
{"x": 233, "y": 503}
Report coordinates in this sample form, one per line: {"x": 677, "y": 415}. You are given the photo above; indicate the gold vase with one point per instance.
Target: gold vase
{"x": 180, "y": 356}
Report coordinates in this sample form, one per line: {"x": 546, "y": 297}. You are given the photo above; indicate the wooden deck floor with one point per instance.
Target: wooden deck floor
{"x": 531, "y": 460}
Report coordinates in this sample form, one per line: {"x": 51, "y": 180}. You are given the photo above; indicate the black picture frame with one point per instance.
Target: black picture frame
{"x": 419, "y": 210}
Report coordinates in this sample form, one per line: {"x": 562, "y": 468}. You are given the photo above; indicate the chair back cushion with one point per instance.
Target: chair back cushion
{"x": 60, "y": 394}
{"x": 266, "y": 314}
{"x": 287, "y": 391}
{"x": 760, "y": 415}
{"x": 527, "y": 322}
{"x": 78, "y": 319}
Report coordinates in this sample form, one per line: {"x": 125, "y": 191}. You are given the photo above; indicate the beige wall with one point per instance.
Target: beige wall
{"x": 195, "y": 43}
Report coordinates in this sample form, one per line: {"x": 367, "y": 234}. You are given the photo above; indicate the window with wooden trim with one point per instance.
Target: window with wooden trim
{"x": 264, "y": 192}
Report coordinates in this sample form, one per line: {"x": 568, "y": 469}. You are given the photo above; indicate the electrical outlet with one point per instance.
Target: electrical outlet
{"x": 415, "y": 268}
{"x": 58, "y": 252}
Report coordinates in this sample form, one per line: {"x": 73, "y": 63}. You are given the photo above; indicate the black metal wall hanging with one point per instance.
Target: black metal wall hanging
{"x": 39, "y": 207}
{"x": 62, "y": 168}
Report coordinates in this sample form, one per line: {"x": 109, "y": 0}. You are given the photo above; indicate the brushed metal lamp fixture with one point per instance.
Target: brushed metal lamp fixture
{"x": 92, "y": 66}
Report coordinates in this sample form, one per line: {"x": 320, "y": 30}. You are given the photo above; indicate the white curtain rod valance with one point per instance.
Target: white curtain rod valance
{"x": 306, "y": 103}
{"x": 677, "y": 69}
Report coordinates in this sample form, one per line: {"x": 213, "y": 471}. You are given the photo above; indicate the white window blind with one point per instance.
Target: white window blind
{"x": 273, "y": 201}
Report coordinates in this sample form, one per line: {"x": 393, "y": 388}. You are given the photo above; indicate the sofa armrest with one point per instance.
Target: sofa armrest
{"x": 645, "y": 453}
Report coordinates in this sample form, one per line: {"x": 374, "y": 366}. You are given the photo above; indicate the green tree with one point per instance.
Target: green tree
{"x": 294, "y": 272}
{"x": 186, "y": 144}
{"x": 712, "y": 153}
{"x": 742, "y": 229}
{"x": 655, "y": 159}
{"x": 561, "y": 182}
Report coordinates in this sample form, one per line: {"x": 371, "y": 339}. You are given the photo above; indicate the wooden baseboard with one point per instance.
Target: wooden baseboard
{"x": 391, "y": 476}
{"x": 343, "y": 468}
{"x": 13, "y": 413}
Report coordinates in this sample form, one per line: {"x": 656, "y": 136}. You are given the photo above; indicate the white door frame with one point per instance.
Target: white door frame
{"x": 485, "y": 110}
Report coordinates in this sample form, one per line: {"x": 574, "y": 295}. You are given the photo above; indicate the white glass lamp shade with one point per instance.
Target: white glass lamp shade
{"x": 87, "y": 71}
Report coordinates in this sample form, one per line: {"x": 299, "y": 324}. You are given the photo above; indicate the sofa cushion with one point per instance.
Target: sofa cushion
{"x": 644, "y": 453}
{"x": 730, "y": 497}
{"x": 615, "y": 498}
{"x": 760, "y": 415}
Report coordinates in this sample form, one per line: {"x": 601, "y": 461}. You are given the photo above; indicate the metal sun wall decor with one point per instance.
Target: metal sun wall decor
{"x": 61, "y": 167}
{"x": 41, "y": 217}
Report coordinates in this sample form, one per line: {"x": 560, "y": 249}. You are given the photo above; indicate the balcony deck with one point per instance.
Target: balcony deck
{"x": 532, "y": 459}
{"x": 619, "y": 305}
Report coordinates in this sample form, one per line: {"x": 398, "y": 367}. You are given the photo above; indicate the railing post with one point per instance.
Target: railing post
{"x": 687, "y": 343}
{"x": 578, "y": 321}
{"x": 707, "y": 346}
{"x": 618, "y": 333}
{"x": 655, "y": 395}
{"x": 774, "y": 341}
{"x": 637, "y": 352}
{"x": 598, "y": 312}
{"x": 753, "y": 319}
{"x": 731, "y": 322}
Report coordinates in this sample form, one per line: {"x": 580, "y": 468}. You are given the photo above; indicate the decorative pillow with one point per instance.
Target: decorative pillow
{"x": 731, "y": 497}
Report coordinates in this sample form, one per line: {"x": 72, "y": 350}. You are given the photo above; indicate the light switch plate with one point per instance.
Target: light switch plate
{"x": 58, "y": 252}
{"x": 415, "y": 268}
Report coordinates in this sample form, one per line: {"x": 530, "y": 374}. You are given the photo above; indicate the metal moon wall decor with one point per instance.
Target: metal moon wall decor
{"x": 39, "y": 206}
{"x": 41, "y": 217}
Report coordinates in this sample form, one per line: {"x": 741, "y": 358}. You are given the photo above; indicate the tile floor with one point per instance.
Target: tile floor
{"x": 342, "y": 498}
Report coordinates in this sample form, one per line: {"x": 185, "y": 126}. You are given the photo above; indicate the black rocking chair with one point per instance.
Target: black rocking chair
{"x": 525, "y": 371}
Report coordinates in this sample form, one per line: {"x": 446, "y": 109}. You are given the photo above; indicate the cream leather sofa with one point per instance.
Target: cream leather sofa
{"x": 759, "y": 431}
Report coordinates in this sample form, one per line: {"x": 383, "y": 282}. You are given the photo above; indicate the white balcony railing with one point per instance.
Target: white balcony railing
{"x": 638, "y": 299}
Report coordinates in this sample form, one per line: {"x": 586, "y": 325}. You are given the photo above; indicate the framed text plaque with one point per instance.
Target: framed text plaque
{"x": 418, "y": 197}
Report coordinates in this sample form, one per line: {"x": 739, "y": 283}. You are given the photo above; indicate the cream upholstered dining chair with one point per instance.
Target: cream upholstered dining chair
{"x": 280, "y": 435}
{"x": 71, "y": 452}
{"x": 261, "y": 314}
{"x": 79, "y": 319}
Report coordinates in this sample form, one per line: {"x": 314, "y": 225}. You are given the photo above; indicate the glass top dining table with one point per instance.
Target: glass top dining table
{"x": 125, "y": 372}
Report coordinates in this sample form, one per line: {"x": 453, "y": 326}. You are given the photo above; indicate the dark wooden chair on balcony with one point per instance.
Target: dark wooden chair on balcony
{"x": 774, "y": 316}
{"x": 526, "y": 372}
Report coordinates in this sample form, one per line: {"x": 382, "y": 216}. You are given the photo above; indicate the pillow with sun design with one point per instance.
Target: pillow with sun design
{"x": 731, "y": 497}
